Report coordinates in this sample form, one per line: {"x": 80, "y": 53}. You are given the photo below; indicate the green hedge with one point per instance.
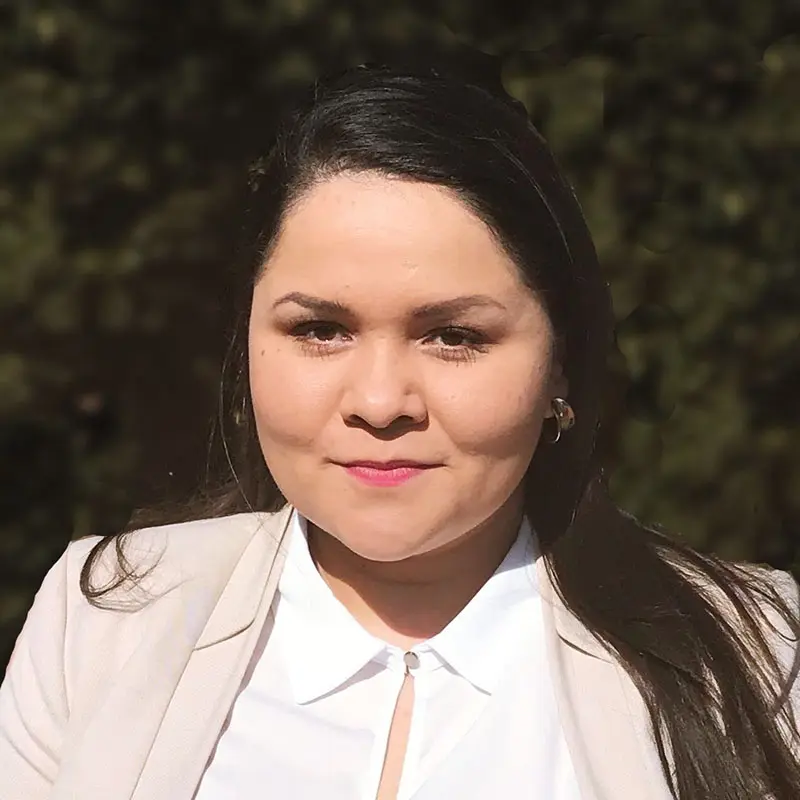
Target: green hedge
{"x": 126, "y": 129}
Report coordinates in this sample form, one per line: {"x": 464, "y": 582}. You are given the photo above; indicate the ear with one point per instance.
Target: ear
{"x": 558, "y": 385}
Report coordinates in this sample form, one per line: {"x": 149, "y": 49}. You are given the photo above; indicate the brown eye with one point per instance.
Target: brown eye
{"x": 457, "y": 344}
{"x": 319, "y": 337}
{"x": 453, "y": 338}
{"x": 457, "y": 337}
{"x": 324, "y": 333}
{"x": 317, "y": 331}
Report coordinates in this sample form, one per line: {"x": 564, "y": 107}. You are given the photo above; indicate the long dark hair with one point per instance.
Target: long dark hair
{"x": 715, "y": 691}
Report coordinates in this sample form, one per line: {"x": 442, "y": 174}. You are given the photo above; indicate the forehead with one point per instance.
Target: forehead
{"x": 367, "y": 232}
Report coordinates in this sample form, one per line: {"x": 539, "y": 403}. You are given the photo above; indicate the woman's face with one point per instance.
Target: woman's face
{"x": 388, "y": 326}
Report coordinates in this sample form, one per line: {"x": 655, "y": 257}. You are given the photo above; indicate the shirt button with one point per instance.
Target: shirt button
{"x": 411, "y": 660}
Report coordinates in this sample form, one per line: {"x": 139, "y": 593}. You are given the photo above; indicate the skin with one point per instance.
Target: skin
{"x": 465, "y": 389}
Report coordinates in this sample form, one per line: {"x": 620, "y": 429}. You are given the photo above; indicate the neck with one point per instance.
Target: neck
{"x": 407, "y": 602}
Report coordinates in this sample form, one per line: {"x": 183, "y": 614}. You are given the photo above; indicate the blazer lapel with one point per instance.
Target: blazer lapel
{"x": 160, "y": 714}
{"x": 603, "y": 716}
{"x": 207, "y": 688}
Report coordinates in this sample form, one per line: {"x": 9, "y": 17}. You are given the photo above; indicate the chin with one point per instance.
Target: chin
{"x": 382, "y": 546}
{"x": 382, "y": 540}
{"x": 387, "y": 555}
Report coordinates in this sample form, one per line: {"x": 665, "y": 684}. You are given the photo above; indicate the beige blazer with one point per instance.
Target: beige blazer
{"x": 127, "y": 704}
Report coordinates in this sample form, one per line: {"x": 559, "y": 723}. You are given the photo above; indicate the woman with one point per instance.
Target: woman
{"x": 417, "y": 586}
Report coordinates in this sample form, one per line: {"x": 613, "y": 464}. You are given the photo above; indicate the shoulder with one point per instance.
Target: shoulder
{"x": 775, "y": 588}
{"x": 770, "y": 585}
{"x": 771, "y": 593}
{"x": 731, "y": 585}
{"x": 185, "y": 541}
{"x": 196, "y": 558}
{"x": 70, "y": 652}
{"x": 169, "y": 554}
{"x": 186, "y": 567}
{"x": 782, "y": 631}
{"x": 746, "y": 594}
{"x": 774, "y": 597}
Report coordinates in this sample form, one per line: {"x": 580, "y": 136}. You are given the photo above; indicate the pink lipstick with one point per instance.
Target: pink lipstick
{"x": 391, "y": 473}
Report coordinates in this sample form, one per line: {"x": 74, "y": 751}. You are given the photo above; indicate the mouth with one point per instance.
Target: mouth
{"x": 386, "y": 473}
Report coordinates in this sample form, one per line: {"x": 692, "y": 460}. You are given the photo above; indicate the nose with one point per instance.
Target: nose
{"x": 382, "y": 388}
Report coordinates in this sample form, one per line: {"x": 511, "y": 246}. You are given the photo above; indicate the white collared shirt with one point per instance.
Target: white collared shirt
{"x": 312, "y": 719}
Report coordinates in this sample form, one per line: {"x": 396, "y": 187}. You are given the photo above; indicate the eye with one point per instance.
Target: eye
{"x": 321, "y": 331}
{"x": 455, "y": 343}
{"x": 318, "y": 336}
{"x": 453, "y": 337}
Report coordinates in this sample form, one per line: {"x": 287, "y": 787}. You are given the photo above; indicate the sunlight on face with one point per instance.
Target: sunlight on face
{"x": 388, "y": 326}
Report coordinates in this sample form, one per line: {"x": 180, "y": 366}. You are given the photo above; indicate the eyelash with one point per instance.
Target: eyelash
{"x": 475, "y": 342}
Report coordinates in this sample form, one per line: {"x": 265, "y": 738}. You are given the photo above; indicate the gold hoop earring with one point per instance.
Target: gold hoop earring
{"x": 564, "y": 417}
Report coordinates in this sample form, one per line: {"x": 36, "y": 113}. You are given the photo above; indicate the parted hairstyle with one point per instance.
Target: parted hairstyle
{"x": 716, "y": 694}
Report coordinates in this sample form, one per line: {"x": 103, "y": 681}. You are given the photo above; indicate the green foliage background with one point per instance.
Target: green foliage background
{"x": 125, "y": 130}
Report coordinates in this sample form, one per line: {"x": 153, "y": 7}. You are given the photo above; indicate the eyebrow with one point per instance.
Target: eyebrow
{"x": 442, "y": 308}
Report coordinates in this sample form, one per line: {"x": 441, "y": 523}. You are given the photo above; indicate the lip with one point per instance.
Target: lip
{"x": 389, "y": 465}
{"x": 386, "y": 473}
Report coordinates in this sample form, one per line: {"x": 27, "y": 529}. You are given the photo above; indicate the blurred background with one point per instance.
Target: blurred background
{"x": 126, "y": 129}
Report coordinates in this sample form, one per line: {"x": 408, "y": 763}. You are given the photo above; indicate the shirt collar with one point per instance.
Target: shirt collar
{"x": 324, "y": 646}
{"x": 479, "y": 643}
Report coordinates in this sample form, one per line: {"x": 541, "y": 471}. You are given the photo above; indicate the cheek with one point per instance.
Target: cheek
{"x": 290, "y": 406}
{"x": 497, "y": 412}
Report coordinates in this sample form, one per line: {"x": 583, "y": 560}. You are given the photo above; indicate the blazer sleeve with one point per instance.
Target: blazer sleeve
{"x": 33, "y": 699}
